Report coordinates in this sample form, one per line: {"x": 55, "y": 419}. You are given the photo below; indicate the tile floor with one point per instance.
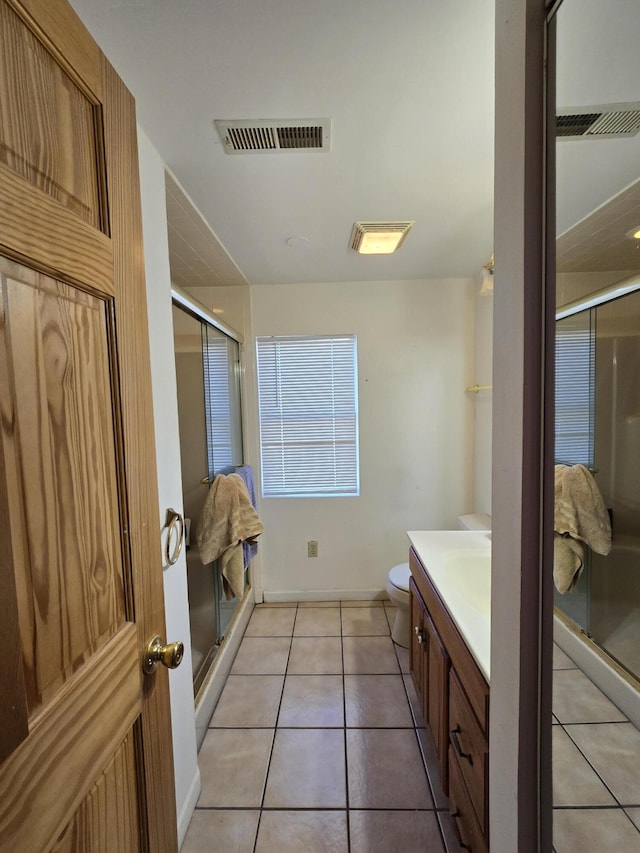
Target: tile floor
{"x": 317, "y": 745}
{"x": 596, "y": 767}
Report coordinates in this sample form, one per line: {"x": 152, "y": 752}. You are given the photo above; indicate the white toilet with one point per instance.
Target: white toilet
{"x": 398, "y": 582}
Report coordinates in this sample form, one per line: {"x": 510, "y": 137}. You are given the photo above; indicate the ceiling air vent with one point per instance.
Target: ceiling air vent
{"x": 252, "y": 136}
{"x": 600, "y": 122}
{"x": 379, "y": 238}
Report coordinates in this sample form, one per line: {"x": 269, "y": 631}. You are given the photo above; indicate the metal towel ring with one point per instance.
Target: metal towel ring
{"x": 173, "y": 520}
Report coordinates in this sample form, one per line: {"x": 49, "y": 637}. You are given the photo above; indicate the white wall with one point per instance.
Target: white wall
{"x": 154, "y": 222}
{"x": 415, "y": 357}
{"x": 483, "y": 402}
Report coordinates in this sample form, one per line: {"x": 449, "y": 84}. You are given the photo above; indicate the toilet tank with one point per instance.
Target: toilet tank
{"x": 474, "y": 521}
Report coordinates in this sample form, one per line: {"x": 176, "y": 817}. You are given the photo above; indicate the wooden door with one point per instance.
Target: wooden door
{"x": 85, "y": 740}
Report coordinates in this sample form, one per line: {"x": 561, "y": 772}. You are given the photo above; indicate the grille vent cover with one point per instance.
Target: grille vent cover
{"x": 362, "y": 228}
{"x": 598, "y": 122}
{"x": 253, "y": 136}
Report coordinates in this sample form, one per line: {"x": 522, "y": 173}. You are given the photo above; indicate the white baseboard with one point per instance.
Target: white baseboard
{"x": 188, "y": 807}
{"x": 325, "y": 595}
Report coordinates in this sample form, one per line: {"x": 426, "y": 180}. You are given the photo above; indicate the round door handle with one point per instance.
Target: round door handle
{"x": 169, "y": 654}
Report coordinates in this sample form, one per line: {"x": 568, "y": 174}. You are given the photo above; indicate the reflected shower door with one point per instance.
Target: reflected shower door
{"x": 575, "y": 426}
{"x": 615, "y": 579}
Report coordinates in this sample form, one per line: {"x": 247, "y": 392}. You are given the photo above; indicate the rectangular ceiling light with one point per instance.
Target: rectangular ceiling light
{"x": 379, "y": 238}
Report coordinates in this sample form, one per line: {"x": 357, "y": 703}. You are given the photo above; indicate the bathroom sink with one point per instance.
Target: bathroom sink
{"x": 471, "y": 574}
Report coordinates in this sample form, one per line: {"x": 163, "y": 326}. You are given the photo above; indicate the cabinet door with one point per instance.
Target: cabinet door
{"x": 437, "y": 696}
{"x": 416, "y": 648}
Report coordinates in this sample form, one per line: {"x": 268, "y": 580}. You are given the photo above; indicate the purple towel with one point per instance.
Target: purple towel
{"x": 249, "y": 549}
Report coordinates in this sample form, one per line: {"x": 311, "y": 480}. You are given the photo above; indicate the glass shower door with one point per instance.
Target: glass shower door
{"x": 201, "y": 582}
{"x": 615, "y": 579}
{"x": 209, "y": 414}
{"x": 575, "y": 427}
{"x": 223, "y": 415}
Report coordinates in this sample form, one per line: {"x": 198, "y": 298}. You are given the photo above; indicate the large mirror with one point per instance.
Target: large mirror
{"x": 596, "y": 679}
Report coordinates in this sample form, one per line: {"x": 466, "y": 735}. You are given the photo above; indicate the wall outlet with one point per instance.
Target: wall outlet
{"x": 312, "y": 548}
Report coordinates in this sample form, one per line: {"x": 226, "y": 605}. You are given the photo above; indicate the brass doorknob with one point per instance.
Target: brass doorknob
{"x": 156, "y": 652}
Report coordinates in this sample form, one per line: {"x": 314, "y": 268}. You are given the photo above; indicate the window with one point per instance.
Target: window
{"x": 220, "y": 356}
{"x": 308, "y": 415}
{"x": 575, "y": 389}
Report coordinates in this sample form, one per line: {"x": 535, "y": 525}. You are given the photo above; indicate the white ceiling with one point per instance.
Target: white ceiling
{"x": 408, "y": 87}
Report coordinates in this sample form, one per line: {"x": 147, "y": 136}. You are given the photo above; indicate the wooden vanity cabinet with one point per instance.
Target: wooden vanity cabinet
{"x": 430, "y": 664}
{"x": 454, "y": 696}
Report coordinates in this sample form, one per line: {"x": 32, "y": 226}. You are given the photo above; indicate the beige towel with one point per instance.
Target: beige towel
{"x": 580, "y": 516}
{"x": 568, "y": 562}
{"x": 227, "y": 520}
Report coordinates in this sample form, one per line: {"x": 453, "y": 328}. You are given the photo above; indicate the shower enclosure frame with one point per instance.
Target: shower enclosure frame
{"x": 222, "y": 624}
{"x": 576, "y": 608}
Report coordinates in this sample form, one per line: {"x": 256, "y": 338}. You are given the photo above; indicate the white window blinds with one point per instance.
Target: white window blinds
{"x": 575, "y": 391}
{"x": 307, "y": 389}
{"x": 217, "y": 394}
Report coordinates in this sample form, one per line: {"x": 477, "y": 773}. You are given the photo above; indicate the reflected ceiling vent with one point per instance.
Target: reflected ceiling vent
{"x": 252, "y": 136}
{"x": 601, "y": 122}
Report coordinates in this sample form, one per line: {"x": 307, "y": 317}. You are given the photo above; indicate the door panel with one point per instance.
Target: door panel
{"x": 70, "y": 744}
{"x": 52, "y": 145}
{"x": 64, "y": 515}
{"x": 87, "y": 757}
{"x": 114, "y": 793}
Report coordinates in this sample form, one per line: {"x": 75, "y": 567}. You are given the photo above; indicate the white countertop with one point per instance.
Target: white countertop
{"x": 459, "y": 564}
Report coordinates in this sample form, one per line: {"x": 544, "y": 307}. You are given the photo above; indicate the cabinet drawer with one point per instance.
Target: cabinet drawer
{"x": 469, "y": 744}
{"x": 462, "y": 812}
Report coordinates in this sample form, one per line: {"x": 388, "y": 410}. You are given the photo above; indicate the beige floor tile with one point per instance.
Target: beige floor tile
{"x": 414, "y": 701}
{"x": 276, "y": 604}
{"x": 634, "y": 814}
{"x": 312, "y": 701}
{"x": 249, "y": 700}
{"x": 378, "y": 602}
{"x": 318, "y": 604}
{"x": 233, "y": 767}
{"x": 560, "y": 660}
{"x": 315, "y": 656}
{"x": 577, "y": 700}
{"x": 403, "y": 658}
{"x": 369, "y": 655}
{"x": 364, "y": 622}
{"x": 262, "y": 656}
{"x": 318, "y": 622}
{"x": 613, "y": 750}
{"x": 390, "y": 612}
{"x": 594, "y": 831}
{"x": 308, "y": 831}
{"x": 432, "y": 765}
{"x": 385, "y": 770}
{"x": 575, "y": 783}
{"x": 307, "y": 770}
{"x": 385, "y": 831}
{"x": 376, "y": 701}
{"x": 222, "y": 831}
{"x": 271, "y": 622}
